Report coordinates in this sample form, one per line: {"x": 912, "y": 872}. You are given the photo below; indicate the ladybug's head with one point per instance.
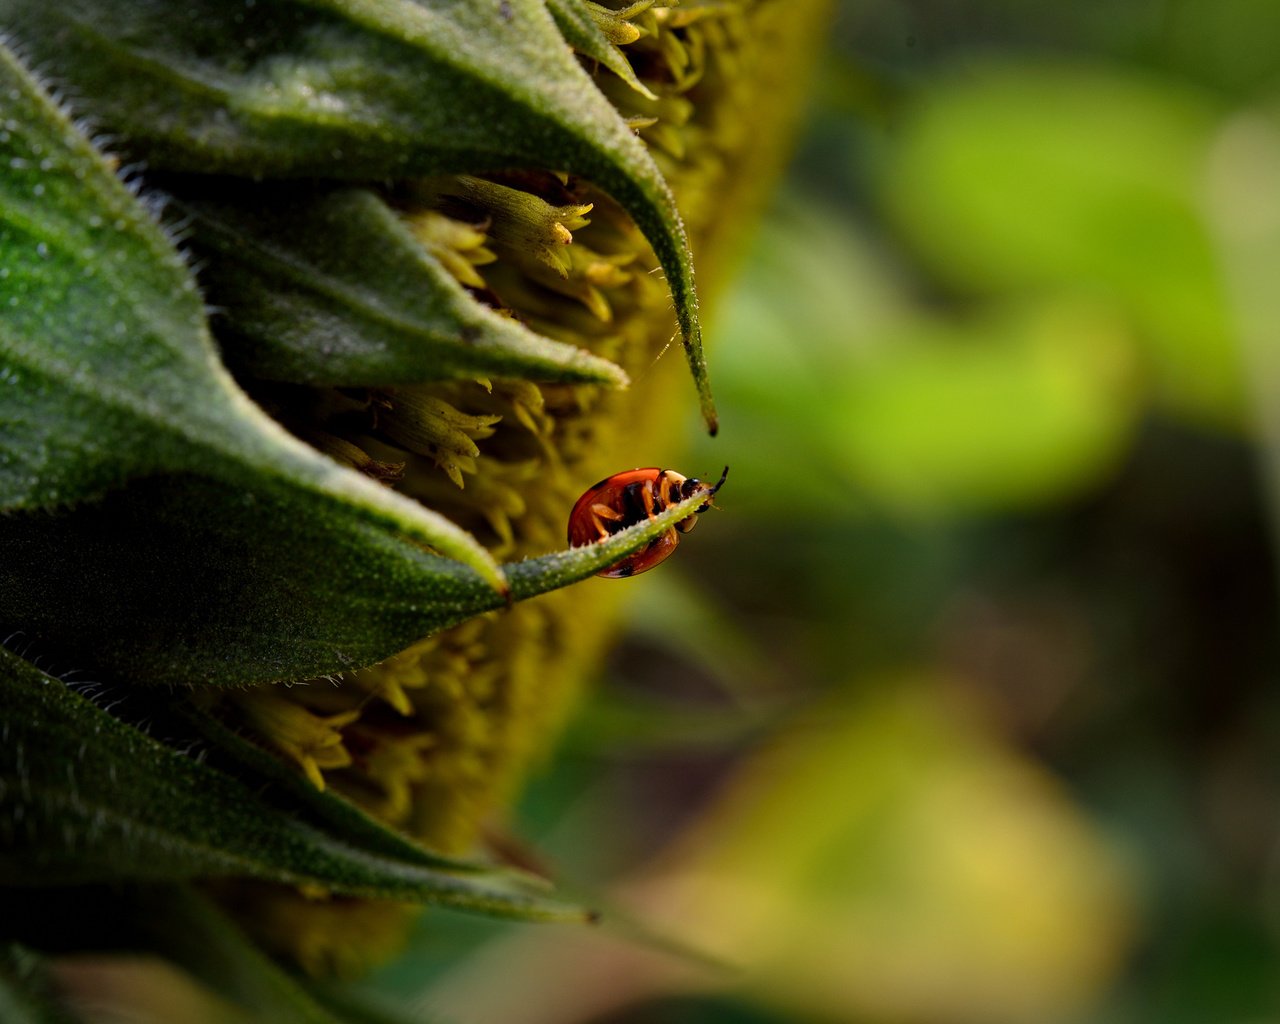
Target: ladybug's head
{"x": 691, "y": 486}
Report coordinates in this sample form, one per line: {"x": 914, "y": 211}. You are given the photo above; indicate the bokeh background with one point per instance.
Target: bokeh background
{"x": 963, "y": 708}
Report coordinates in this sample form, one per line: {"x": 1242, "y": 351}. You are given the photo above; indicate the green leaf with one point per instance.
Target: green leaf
{"x": 1105, "y": 199}
{"x": 107, "y": 371}
{"x": 182, "y": 581}
{"x": 1010, "y": 405}
{"x": 328, "y": 810}
{"x": 1034, "y": 403}
{"x": 91, "y": 799}
{"x": 356, "y": 89}
{"x": 330, "y": 287}
{"x": 193, "y": 933}
{"x": 210, "y": 972}
{"x": 26, "y": 990}
{"x": 576, "y": 24}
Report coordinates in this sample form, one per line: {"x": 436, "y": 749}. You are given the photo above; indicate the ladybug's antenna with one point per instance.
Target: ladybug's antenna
{"x": 720, "y": 482}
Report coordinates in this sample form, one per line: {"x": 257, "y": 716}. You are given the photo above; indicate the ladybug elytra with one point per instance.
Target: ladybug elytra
{"x": 631, "y": 497}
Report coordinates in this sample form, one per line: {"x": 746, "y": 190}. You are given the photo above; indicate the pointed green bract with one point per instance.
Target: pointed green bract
{"x": 107, "y": 372}
{"x": 328, "y": 286}
{"x": 330, "y": 811}
{"x": 237, "y": 591}
{"x": 573, "y": 17}
{"x": 92, "y": 799}
{"x": 377, "y": 89}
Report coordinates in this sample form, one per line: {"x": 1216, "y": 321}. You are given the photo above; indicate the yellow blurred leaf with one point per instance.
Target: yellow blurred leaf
{"x": 891, "y": 860}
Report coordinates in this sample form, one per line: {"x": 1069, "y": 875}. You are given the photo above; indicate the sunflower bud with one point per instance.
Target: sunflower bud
{"x": 435, "y": 250}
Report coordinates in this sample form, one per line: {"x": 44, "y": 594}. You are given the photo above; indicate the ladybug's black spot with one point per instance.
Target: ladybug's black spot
{"x": 626, "y": 570}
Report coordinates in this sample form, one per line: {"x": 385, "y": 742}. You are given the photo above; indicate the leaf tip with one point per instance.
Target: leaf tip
{"x": 622, "y": 380}
{"x": 691, "y": 332}
{"x": 493, "y": 575}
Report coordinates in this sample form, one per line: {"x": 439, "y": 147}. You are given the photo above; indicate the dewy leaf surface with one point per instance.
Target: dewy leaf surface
{"x": 107, "y": 371}
{"x": 355, "y": 89}
{"x": 328, "y": 286}
{"x": 89, "y": 798}
{"x": 241, "y": 589}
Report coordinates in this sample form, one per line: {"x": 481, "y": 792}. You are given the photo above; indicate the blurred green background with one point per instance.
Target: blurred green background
{"x": 964, "y": 707}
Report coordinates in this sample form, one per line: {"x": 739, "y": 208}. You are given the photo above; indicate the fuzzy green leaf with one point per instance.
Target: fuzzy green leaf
{"x": 330, "y": 287}
{"x": 329, "y": 811}
{"x": 356, "y": 89}
{"x": 107, "y": 371}
{"x": 181, "y": 580}
{"x": 90, "y": 799}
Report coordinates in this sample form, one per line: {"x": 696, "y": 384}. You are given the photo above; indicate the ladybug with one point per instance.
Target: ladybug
{"x": 628, "y": 498}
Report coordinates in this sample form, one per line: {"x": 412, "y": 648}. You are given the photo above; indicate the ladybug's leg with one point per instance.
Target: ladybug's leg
{"x": 599, "y": 514}
{"x": 670, "y": 490}
{"x": 636, "y": 502}
{"x": 679, "y": 489}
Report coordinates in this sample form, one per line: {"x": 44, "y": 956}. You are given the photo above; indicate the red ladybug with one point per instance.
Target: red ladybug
{"x": 626, "y": 499}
